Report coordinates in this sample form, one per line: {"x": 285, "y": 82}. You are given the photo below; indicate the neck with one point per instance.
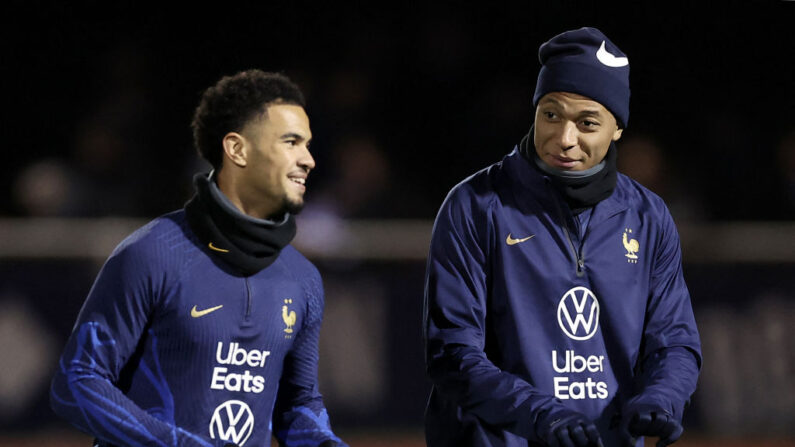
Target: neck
{"x": 235, "y": 193}
{"x": 568, "y": 174}
{"x": 580, "y": 189}
{"x": 246, "y": 243}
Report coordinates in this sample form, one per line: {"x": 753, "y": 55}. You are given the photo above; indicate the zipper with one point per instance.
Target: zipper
{"x": 579, "y": 257}
{"x": 248, "y": 298}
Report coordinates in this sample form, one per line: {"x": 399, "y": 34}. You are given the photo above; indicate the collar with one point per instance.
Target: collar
{"x": 228, "y": 207}
{"x": 243, "y": 242}
{"x": 532, "y": 188}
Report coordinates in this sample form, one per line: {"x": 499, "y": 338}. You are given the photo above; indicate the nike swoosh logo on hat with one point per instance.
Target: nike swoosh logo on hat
{"x": 610, "y": 60}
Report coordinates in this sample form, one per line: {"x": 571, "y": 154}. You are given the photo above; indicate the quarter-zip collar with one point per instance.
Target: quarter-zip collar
{"x": 535, "y": 186}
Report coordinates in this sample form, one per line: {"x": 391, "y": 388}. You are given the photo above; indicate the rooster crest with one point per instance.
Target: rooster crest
{"x": 630, "y": 245}
{"x": 288, "y": 317}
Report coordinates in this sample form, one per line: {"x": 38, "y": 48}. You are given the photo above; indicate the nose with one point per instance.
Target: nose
{"x": 568, "y": 135}
{"x": 305, "y": 160}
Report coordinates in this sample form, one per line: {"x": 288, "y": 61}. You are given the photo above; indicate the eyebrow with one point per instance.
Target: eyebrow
{"x": 548, "y": 99}
{"x": 590, "y": 112}
{"x": 586, "y": 112}
{"x": 292, "y": 135}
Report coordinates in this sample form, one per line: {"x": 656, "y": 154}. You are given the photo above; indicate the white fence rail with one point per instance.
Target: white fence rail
{"x": 751, "y": 242}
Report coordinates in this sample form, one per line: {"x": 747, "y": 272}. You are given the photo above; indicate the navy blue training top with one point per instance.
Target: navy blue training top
{"x": 529, "y": 308}
{"x": 172, "y": 348}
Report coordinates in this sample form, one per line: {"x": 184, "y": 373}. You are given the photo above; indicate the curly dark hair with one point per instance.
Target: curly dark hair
{"x": 234, "y": 101}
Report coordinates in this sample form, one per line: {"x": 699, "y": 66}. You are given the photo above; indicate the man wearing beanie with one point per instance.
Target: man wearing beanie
{"x": 556, "y": 313}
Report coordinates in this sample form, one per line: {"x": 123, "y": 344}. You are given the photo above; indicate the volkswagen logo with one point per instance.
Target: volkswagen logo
{"x": 232, "y": 421}
{"x": 578, "y": 313}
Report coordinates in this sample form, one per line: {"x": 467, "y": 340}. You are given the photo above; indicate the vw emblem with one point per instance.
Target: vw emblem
{"x": 232, "y": 421}
{"x": 580, "y": 303}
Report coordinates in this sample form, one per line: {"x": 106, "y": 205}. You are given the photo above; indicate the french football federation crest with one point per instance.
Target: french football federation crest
{"x": 288, "y": 317}
{"x": 632, "y": 247}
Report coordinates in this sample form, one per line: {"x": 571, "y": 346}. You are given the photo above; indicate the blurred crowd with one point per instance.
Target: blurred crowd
{"x": 399, "y": 117}
{"x": 107, "y": 171}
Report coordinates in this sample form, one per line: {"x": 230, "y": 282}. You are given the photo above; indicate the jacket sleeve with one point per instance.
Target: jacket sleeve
{"x": 671, "y": 350}
{"x": 299, "y": 416}
{"x": 455, "y": 310}
{"x": 107, "y": 332}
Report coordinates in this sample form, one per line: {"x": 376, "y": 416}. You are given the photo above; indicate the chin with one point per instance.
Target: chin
{"x": 293, "y": 206}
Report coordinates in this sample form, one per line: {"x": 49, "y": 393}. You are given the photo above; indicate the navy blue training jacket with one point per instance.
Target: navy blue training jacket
{"x": 171, "y": 348}
{"x": 526, "y": 311}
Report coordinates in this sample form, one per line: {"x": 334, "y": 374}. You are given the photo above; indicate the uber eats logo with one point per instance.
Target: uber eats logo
{"x": 578, "y": 317}
{"x": 231, "y": 379}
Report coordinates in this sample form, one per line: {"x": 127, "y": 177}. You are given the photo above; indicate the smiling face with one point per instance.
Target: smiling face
{"x": 573, "y": 132}
{"x": 272, "y": 158}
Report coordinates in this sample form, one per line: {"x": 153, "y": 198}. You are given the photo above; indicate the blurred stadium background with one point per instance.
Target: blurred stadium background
{"x": 405, "y": 101}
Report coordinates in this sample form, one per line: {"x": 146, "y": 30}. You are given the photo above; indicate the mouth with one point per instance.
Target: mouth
{"x": 563, "y": 162}
{"x": 299, "y": 181}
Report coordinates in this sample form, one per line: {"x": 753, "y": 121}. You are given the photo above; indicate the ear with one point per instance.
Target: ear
{"x": 617, "y": 134}
{"x": 235, "y": 148}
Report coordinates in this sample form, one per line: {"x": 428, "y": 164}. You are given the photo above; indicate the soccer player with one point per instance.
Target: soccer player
{"x": 202, "y": 327}
{"x": 556, "y": 313}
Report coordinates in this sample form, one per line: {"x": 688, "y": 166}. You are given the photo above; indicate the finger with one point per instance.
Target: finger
{"x": 577, "y": 434}
{"x": 660, "y": 425}
{"x": 593, "y": 434}
{"x": 670, "y": 427}
{"x": 564, "y": 437}
{"x": 670, "y": 439}
{"x": 626, "y": 438}
{"x": 640, "y": 424}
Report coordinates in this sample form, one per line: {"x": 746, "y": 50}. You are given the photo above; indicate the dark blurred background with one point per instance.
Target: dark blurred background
{"x": 405, "y": 100}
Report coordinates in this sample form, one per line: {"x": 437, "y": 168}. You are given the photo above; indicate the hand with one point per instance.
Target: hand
{"x": 648, "y": 420}
{"x": 568, "y": 428}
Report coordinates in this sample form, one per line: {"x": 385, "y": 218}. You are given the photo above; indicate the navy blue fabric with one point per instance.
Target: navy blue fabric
{"x": 494, "y": 329}
{"x": 141, "y": 370}
{"x": 575, "y": 62}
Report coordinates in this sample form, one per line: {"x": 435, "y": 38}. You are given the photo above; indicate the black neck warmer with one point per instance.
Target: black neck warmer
{"x": 246, "y": 243}
{"x": 580, "y": 190}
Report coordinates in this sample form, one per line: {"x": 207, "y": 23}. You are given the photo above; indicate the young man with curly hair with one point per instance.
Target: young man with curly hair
{"x": 202, "y": 327}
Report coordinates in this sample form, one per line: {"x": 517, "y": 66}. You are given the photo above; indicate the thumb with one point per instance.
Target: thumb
{"x": 670, "y": 439}
{"x": 625, "y": 437}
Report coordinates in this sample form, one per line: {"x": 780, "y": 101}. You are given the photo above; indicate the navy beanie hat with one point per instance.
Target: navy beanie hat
{"x": 586, "y": 62}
